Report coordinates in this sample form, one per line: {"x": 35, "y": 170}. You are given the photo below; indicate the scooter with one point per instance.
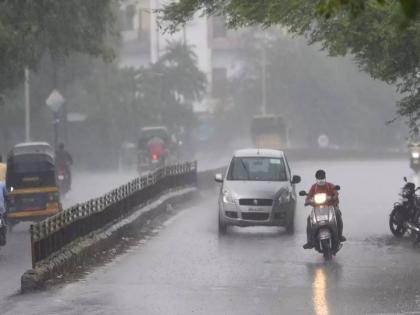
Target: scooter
{"x": 324, "y": 227}
{"x": 63, "y": 179}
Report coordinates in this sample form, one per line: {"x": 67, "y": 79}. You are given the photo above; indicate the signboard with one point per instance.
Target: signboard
{"x": 55, "y": 100}
{"x": 323, "y": 141}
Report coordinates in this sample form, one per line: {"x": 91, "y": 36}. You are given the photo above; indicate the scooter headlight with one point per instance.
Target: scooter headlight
{"x": 320, "y": 198}
{"x": 415, "y": 155}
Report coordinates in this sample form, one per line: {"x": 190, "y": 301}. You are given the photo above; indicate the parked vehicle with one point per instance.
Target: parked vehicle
{"x": 33, "y": 192}
{"x": 257, "y": 189}
{"x": 324, "y": 225}
{"x": 405, "y": 211}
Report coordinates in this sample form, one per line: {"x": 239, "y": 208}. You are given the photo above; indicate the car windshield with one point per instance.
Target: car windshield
{"x": 257, "y": 169}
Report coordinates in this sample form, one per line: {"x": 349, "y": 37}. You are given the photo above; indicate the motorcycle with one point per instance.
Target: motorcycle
{"x": 324, "y": 227}
{"x": 402, "y": 217}
{"x": 63, "y": 179}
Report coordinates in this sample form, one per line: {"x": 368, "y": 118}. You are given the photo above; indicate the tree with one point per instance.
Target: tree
{"x": 29, "y": 29}
{"x": 371, "y": 31}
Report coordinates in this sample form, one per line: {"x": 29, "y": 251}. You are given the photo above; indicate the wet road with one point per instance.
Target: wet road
{"x": 187, "y": 268}
{"x": 15, "y": 257}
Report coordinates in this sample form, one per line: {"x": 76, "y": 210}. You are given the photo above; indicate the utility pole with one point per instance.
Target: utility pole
{"x": 264, "y": 79}
{"x": 27, "y": 107}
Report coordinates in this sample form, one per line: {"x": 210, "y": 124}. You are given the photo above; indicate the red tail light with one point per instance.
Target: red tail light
{"x": 155, "y": 157}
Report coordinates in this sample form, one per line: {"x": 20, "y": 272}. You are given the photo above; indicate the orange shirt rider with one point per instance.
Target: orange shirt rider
{"x": 327, "y": 188}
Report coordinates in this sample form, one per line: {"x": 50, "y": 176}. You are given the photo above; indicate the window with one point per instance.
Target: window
{"x": 257, "y": 169}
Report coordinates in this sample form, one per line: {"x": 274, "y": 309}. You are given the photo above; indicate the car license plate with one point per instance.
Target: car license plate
{"x": 255, "y": 209}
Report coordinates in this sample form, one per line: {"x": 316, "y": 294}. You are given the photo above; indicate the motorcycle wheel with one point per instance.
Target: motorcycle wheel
{"x": 396, "y": 225}
{"x": 415, "y": 237}
{"x": 326, "y": 250}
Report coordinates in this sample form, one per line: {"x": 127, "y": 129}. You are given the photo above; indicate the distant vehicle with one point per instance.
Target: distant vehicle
{"x": 414, "y": 149}
{"x": 149, "y": 158}
{"x": 33, "y": 192}
{"x": 269, "y": 132}
{"x": 257, "y": 189}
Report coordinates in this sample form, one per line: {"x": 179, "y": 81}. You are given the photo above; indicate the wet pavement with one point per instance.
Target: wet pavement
{"x": 187, "y": 268}
{"x": 15, "y": 257}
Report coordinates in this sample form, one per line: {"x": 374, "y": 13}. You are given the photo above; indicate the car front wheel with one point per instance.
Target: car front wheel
{"x": 222, "y": 226}
{"x": 290, "y": 221}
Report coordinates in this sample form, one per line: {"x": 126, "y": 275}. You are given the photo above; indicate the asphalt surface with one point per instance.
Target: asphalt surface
{"x": 15, "y": 257}
{"x": 186, "y": 268}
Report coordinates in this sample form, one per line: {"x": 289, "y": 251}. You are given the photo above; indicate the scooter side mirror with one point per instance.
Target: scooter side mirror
{"x": 337, "y": 187}
{"x": 302, "y": 193}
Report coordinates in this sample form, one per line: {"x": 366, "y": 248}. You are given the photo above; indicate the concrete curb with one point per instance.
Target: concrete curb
{"x": 75, "y": 254}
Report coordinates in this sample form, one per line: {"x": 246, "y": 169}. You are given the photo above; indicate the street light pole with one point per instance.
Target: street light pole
{"x": 264, "y": 79}
{"x": 27, "y": 107}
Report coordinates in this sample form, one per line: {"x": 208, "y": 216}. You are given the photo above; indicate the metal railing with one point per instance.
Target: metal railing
{"x": 52, "y": 234}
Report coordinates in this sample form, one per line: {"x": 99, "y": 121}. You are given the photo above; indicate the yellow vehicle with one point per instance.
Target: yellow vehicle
{"x": 269, "y": 132}
{"x": 33, "y": 193}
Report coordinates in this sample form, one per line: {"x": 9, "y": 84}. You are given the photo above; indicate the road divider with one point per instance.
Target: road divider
{"x": 63, "y": 241}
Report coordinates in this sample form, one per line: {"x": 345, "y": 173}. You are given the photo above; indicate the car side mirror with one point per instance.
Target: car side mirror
{"x": 405, "y": 179}
{"x": 337, "y": 187}
{"x": 296, "y": 179}
{"x": 218, "y": 178}
{"x": 302, "y": 193}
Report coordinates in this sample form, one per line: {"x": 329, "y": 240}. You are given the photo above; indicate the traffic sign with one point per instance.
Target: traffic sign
{"x": 55, "y": 100}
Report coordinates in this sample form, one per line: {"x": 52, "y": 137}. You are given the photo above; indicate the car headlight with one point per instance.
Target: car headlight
{"x": 320, "y": 198}
{"x": 227, "y": 197}
{"x": 284, "y": 197}
{"x": 415, "y": 155}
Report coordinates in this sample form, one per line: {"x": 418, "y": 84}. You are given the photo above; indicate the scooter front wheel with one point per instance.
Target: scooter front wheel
{"x": 326, "y": 249}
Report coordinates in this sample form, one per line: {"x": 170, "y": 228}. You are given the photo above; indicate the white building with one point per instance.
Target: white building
{"x": 215, "y": 46}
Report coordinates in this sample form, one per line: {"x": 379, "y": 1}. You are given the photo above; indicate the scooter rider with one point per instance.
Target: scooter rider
{"x": 64, "y": 159}
{"x": 322, "y": 186}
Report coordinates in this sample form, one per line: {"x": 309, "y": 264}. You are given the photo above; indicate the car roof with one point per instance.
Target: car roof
{"x": 259, "y": 152}
{"x": 32, "y": 148}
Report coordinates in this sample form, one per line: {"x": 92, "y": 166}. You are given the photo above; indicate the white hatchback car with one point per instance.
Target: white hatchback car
{"x": 257, "y": 189}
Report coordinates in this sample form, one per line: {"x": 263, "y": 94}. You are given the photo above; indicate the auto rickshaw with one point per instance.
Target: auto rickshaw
{"x": 32, "y": 190}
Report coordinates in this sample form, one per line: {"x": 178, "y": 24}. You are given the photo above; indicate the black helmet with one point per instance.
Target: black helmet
{"x": 320, "y": 174}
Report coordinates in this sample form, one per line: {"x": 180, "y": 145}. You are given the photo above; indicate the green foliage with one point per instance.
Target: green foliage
{"x": 29, "y": 29}
{"x": 325, "y": 95}
{"x": 383, "y": 36}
